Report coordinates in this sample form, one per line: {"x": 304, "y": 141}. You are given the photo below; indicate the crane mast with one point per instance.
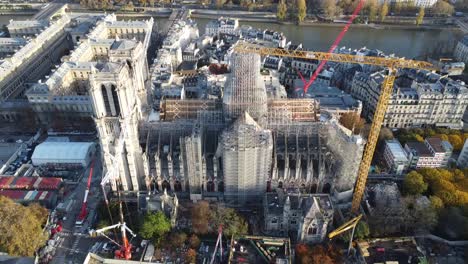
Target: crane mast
{"x": 391, "y": 63}
{"x": 84, "y": 205}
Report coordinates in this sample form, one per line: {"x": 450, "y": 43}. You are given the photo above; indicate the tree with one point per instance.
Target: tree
{"x": 200, "y": 216}
{"x": 436, "y": 202}
{"x": 329, "y": 8}
{"x": 443, "y": 8}
{"x": 385, "y": 134}
{"x": 21, "y": 227}
{"x": 194, "y": 241}
{"x": 420, "y": 17}
{"x": 143, "y": 2}
{"x": 301, "y": 10}
{"x": 414, "y": 184}
{"x": 372, "y": 9}
{"x": 219, "y": 3}
{"x": 191, "y": 256}
{"x": 233, "y": 224}
{"x": 398, "y": 7}
{"x": 320, "y": 255}
{"x": 456, "y": 141}
{"x": 383, "y": 11}
{"x": 352, "y": 121}
{"x": 178, "y": 239}
{"x": 282, "y": 10}
{"x": 155, "y": 226}
{"x": 362, "y": 231}
{"x": 151, "y": 3}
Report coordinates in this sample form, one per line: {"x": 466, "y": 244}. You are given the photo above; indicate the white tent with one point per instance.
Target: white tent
{"x": 63, "y": 153}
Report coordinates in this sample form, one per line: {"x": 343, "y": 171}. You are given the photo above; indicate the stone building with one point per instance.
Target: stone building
{"x": 420, "y": 98}
{"x": 461, "y": 50}
{"x": 307, "y": 217}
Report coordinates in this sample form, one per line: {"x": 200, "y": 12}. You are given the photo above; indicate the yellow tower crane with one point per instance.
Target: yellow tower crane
{"x": 392, "y": 65}
{"x": 351, "y": 224}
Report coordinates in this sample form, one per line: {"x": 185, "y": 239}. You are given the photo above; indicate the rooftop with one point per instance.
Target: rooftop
{"x": 260, "y": 250}
{"x": 397, "y": 150}
{"x": 420, "y": 148}
{"x": 438, "y": 144}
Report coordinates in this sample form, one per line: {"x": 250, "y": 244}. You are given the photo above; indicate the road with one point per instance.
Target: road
{"x": 48, "y": 10}
{"x": 74, "y": 242}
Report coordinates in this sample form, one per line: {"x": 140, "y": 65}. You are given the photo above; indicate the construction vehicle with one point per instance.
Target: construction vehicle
{"x": 84, "y": 207}
{"x": 125, "y": 248}
{"x": 392, "y": 65}
{"x": 351, "y": 224}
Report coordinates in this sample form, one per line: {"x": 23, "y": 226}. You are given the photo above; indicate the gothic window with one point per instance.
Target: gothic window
{"x": 293, "y": 222}
{"x": 312, "y": 230}
{"x": 274, "y": 221}
{"x": 116, "y": 99}
{"x": 106, "y": 99}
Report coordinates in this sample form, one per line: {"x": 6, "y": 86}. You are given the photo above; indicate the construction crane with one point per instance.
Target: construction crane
{"x": 125, "y": 249}
{"x": 392, "y": 65}
{"x": 351, "y": 224}
{"x": 84, "y": 207}
{"x": 219, "y": 244}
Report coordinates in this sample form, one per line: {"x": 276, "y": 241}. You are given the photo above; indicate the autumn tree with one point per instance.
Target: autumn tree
{"x": 420, "y": 17}
{"x": 372, "y": 9}
{"x": 219, "y": 3}
{"x": 398, "y": 7}
{"x": 436, "y": 202}
{"x": 383, "y": 11}
{"x": 385, "y": 134}
{"x": 329, "y": 8}
{"x": 178, "y": 239}
{"x": 21, "y": 227}
{"x": 282, "y": 10}
{"x": 200, "y": 216}
{"x": 191, "y": 256}
{"x": 443, "y": 8}
{"x": 151, "y": 2}
{"x": 194, "y": 241}
{"x": 155, "y": 226}
{"x": 456, "y": 141}
{"x": 319, "y": 254}
{"x": 301, "y": 10}
{"x": 352, "y": 121}
{"x": 414, "y": 184}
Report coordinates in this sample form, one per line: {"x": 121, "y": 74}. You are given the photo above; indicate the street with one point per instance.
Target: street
{"x": 75, "y": 243}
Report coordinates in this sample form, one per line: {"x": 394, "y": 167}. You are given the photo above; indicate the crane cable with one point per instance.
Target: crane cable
{"x": 334, "y": 45}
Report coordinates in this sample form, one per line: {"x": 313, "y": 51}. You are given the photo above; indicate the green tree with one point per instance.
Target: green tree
{"x": 282, "y": 10}
{"x": 383, "y": 11}
{"x": 155, "y": 226}
{"x": 329, "y": 8}
{"x": 200, "y": 215}
{"x": 443, "y": 8}
{"x": 420, "y": 17}
{"x": 301, "y": 10}
{"x": 233, "y": 224}
{"x": 414, "y": 184}
{"x": 362, "y": 231}
{"x": 21, "y": 227}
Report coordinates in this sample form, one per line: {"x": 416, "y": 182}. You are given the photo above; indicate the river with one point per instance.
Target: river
{"x": 409, "y": 43}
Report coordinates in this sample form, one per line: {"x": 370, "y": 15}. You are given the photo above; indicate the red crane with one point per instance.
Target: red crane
{"x": 84, "y": 206}
{"x": 334, "y": 45}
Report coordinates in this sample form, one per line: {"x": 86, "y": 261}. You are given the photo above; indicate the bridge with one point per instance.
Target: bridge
{"x": 50, "y": 10}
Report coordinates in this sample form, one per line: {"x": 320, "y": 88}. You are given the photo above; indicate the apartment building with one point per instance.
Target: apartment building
{"x": 395, "y": 156}
{"x": 432, "y": 153}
